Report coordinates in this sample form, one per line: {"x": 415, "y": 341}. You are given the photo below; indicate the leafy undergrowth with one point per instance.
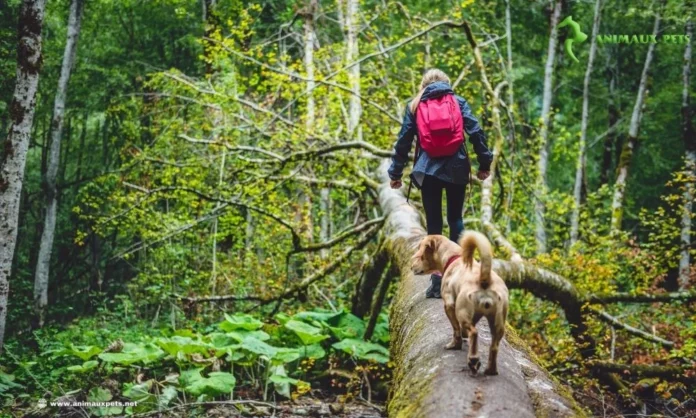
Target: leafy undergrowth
{"x": 240, "y": 365}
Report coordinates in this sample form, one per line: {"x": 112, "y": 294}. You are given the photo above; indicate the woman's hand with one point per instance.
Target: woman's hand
{"x": 482, "y": 175}
{"x": 395, "y": 184}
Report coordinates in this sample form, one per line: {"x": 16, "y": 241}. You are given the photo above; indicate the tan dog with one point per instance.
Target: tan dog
{"x": 470, "y": 290}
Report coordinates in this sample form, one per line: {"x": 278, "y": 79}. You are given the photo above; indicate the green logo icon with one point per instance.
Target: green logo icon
{"x": 578, "y": 35}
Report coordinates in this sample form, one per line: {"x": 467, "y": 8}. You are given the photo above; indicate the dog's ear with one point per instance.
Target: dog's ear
{"x": 431, "y": 244}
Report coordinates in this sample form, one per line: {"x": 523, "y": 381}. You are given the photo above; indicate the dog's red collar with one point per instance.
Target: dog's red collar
{"x": 449, "y": 262}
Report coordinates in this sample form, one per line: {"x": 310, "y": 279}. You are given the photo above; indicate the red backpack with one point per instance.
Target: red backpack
{"x": 440, "y": 126}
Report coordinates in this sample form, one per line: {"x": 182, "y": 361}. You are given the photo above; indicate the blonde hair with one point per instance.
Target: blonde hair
{"x": 429, "y": 78}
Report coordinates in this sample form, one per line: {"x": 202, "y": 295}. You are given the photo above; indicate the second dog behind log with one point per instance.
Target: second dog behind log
{"x": 470, "y": 290}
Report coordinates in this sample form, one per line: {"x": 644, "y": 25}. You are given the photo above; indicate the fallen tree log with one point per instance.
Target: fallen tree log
{"x": 429, "y": 381}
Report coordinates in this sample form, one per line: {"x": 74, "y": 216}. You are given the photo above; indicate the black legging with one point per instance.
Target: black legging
{"x": 432, "y": 203}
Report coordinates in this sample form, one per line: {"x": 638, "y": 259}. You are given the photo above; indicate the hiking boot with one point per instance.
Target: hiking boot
{"x": 434, "y": 289}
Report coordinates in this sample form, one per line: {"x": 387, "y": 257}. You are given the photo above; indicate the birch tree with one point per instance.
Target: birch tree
{"x": 633, "y": 131}
{"x": 689, "y": 135}
{"x": 13, "y": 156}
{"x": 44, "y": 259}
{"x": 352, "y": 51}
{"x": 540, "y": 231}
{"x": 580, "y": 167}
{"x": 310, "y": 121}
{"x": 309, "y": 36}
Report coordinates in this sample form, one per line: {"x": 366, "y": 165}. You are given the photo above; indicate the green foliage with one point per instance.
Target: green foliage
{"x": 217, "y": 383}
{"x": 133, "y": 353}
{"x": 156, "y": 370}
{"x": 307, "y": 333}
{"x": 244, "y": 322}
{"x": 7, "y": 383}
{"x": 363, "y": 350}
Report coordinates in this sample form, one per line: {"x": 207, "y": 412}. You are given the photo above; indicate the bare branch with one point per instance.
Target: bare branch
{"x": 303, "y": 284}
{"x": 645, "y": 370}
{"x": 608, "y": 298}
{"x": 341, "y": 237}
{"x": 306, "y": 79}
{"x": 604, "y": 316}
{"x": 299, "y": 155}
{"x": 316, "y": 181}
{"x": 446, "y": 23}
{"x": 141, "y": 245}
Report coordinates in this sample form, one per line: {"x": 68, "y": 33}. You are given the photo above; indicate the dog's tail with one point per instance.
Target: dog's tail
{"x": 469, "y": 242}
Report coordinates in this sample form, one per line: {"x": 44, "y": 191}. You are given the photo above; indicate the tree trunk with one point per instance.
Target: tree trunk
{"x": 81, "y": 149}
{"x": 211, "y": 22}
{"x": 633, "y": 130}
{"x": 689, "y": 135}
{"x": 44, "y": 260}
{"x": 508, "y": 36}
{"x": 309, "y": 36}
{"x": 13, "y": 155}
{"x": 580, "y": 168}
{"x": 425, "y": 375}
{"x": 610, "y": 139}
{"x": 325, "y": 226}
{"x": 340, "y": 12}
{"x": 213, "y": 274}
{"x": 369, "y": 281}
{"x": 249, "y": 234}
{"x": 309, "y": 43}
{"x": 540, "y": 230}
{"x": 354, "y": 108}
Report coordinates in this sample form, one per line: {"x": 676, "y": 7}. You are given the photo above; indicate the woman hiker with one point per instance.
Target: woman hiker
{"x": 439, "y": 118}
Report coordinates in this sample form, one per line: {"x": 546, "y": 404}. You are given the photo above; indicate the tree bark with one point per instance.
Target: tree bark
{"x": 689, "y": 135}
{"x": 610, "y": 139}
{"x": 426, "y": 375}
{"x": 325, "y": 225}
{"x": 47, "y": 237}
{"x": 540, "y": 230}
{"x": 352, "y": 51}
{"x": 310, "y": 121}
{"x": 13, "y": 155}
{"x": 212, "y": 24}
{"x": 633, "y": 131}
{"x": 369, "y": 281}
{"x": 580, "y": 167}
{"x": 508, "y": 36}
{"x": 309, "y": 36}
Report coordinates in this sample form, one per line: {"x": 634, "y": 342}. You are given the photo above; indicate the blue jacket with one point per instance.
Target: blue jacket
{"x": 453, "y": 169}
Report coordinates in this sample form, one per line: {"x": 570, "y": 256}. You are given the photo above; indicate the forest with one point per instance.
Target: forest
{"x": 196, "y": 218}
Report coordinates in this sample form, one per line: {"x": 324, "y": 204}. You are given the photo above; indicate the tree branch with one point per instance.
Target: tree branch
{"x": 645, "y": 370}
{"x": 608, "y": 298}
{"x": 604, "y": 316}
{"x": 341, "y": 237}
{"x": 303, "y": 284}
{"x": 299, "y": 155}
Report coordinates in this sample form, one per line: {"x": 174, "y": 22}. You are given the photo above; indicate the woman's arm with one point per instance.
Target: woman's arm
{"x": 475, "y": 135}
{"x": 403, "y": 146}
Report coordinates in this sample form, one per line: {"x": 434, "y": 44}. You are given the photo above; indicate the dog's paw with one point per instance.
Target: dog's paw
{"x": 474, "y": 364}
{"x": 454, "y": 345}
{"x": 491, "y": 372}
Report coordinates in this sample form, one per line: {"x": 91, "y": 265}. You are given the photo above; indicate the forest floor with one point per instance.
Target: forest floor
{"x": 301, "y": 408}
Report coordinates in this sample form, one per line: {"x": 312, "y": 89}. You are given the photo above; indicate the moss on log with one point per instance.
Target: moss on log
{"x": 430, "y": 381}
